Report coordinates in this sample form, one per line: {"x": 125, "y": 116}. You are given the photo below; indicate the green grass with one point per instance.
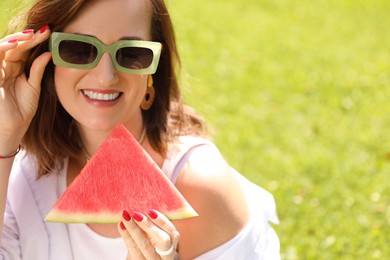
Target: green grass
{"x": 297, "y": 94}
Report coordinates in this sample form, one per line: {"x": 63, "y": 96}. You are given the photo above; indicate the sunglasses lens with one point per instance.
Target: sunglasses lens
{"x": 76, "y": 52}
{"x": 135, "y": 58}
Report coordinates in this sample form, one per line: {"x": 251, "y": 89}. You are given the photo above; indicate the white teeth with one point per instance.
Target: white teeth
{"x": 101, "y": 96}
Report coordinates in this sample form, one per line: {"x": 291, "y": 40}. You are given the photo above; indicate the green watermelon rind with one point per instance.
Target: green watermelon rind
{"x": 109, "y": 217}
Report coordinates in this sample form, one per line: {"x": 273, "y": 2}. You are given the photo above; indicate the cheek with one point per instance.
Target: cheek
{"x": 60, "y": 76}
{"x": 65, "y": 79}
{"x": 134, "y": 87}
{"x": 60, "y": 82}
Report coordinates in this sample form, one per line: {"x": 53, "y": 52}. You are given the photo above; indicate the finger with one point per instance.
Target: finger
{"x": 6, "y": 46}
{"x": 133, "y": 251}
{"x": 138, "y": 234}
{"x": 14, "y": 40}
{"x": 29, "y": 89}
{"x": 165, "y": 224}
{"x": 24, "y": 35}
{"x": 159, "y": 238}
{"x": 15, "y": 48}
{"x": 37, "y": 70}
{"x": 27, "y": 42}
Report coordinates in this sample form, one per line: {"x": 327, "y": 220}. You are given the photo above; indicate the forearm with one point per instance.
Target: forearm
{"x": 5, "y": 169}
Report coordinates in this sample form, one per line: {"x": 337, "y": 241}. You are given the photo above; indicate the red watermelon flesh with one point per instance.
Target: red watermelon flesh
{"x": 120, "y": 175}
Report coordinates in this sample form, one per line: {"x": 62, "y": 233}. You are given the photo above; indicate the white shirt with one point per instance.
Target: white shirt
{"x": 86, "y": 244}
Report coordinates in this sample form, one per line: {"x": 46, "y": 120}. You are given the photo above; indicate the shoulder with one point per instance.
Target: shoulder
{"x": 24, "y": 166}
{"x": 207, "y": 182}
{"x": 23, "y": 179}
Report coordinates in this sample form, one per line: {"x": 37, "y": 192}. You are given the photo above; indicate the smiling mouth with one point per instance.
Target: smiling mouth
{"x": 101, "y": 96}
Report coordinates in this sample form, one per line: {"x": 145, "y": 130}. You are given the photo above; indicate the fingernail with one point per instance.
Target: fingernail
{"x": 152, "y": 214}
{"x": 122, "y": 226}
{"x": 28, "y": 31}
{"x": 126, "y": 215}
{"x": 44, "y": 28}
{"x": 13, "y": 41}
{"x": 138, "y": 216}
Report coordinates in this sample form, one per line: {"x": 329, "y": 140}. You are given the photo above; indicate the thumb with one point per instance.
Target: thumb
{"x": 37, "y": 70}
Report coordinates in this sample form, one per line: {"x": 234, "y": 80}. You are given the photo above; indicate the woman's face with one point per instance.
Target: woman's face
{"x": 102, "y": 97}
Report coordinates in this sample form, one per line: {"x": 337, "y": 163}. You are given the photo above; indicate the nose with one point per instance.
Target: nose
{"x": 105, "y": 71}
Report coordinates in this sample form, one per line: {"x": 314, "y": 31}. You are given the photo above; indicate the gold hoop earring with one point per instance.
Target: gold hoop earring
{"x": 149, "y": 95}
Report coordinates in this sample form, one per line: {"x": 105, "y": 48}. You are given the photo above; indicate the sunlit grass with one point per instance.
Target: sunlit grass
{"x": 297, "y": 94}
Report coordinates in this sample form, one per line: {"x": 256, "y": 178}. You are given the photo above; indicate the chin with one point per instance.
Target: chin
{"x": 98, "y": 125}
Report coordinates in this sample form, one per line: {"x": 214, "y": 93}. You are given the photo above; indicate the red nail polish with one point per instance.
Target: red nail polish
{"x": 138, "y": 216}
{"x": 28, "y": 31}
{"x": 152, "y": 214}
{"x": 122, "y": 226}
{"x": 126, "y": 215}
{"x": 13, "y": 41}
{"x": 44, "y": 28}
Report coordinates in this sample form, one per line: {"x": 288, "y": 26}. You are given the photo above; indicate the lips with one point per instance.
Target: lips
{"x": 101, "y": 96}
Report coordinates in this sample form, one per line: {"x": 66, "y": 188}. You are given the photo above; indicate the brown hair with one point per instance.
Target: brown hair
{"x": 52, "y": 136}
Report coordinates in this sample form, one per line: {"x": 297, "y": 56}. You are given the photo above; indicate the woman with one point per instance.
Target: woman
{"x": 60, "y": 104}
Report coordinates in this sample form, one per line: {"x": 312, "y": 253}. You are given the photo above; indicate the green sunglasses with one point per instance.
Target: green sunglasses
{"x": 84, "y": 52}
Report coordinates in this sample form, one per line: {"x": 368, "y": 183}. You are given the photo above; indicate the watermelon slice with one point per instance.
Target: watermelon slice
{"x": 120, "y": 175}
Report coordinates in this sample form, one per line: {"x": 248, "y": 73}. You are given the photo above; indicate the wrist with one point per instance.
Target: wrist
{"x": 9, "y": 155}
{"x": 9, "y": 144}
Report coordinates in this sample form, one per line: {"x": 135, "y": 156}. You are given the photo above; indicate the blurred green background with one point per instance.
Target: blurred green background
{"x": 296, "y": 94}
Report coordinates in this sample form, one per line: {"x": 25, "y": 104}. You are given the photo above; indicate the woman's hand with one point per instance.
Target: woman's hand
{"x": 19, "y": 95}
{"x": 153, "y": 237}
